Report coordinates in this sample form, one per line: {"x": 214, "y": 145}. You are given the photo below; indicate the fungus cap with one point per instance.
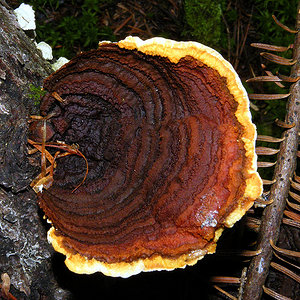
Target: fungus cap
{"x": 166, "y": 129}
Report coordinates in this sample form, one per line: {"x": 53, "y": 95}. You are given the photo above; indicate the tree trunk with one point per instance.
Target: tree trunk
{"x": 25, "y": 254}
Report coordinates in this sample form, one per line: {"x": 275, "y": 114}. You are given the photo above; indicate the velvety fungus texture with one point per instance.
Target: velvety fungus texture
{"x": 166, "y": 130}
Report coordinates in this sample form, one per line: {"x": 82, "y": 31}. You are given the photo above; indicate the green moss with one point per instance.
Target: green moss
{"x": 35, "y": 94}
{"x": 77, "y": 28}
{"x": 266, "y": 29}
{"x": 204, "y": 20}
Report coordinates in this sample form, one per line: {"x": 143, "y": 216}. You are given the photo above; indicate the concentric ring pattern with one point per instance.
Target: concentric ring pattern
{"x": 167, "y": 159}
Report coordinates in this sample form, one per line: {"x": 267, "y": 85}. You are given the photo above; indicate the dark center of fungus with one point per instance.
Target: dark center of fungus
{"x": 162, "y": 143}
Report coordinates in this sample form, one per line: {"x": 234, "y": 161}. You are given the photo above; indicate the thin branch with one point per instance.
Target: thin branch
{"x": 283, "y": 26}
{"x": 266, "y": 151}
{"x": 285, "y": 251}
{"x": 270, "y": 47}
{"x": 284, "y": 170}
{"x": 286, "y": 261}
{"x": 270, "y": 139}
{"x": 286, "y": 271}
{"x": 224, "y": 292}
{"x": 274, "y": 294}
{"x": 225, "y": 279}
{"x": 278, "y": 59}
{"x": 267, "y": 96}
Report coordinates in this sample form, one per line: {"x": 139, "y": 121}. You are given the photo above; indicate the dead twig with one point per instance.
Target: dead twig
{"x": 283, "y": 26}
{"x": 273, "y": 213}
{"x": 274, "y": 294}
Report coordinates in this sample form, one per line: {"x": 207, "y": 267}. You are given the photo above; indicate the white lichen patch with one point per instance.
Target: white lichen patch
{"x": 4, "y": 110}
{"x": 45, "y": 49}
{"x": 25, "y": 16}
{"x": 59, "y": 63}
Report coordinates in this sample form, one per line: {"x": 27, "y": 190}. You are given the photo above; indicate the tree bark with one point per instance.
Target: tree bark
{"x": 25, "y": 254}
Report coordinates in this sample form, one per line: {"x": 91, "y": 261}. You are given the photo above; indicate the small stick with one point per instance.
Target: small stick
{"x": 294, "y": 196}
{"x": 270, "y": 47}
{"x": 291, "y": 222}
{"x": 264, "y": 202}
{"x": 266, "y": 151}
{"x": 270, "y": 139}
{"x": 293, "y": 205}
{"x": 264, "y": 79}
{"x": 268, "y": 182}
{"x": 292, "y": 215}
{"x": 57, "y": 97}
{"x": 122, "y": 25}
{"x": 288, "y": 78}
{"x": 286, "y": 261}
{"x": 285, "y": 251}
{"x": 225, "y": 279}
{"x": 38, "y": 147}
{"x": 296, "y": 177}
{"x": 269, "y": 73}
{"x": 5, "y": 284}
{"x": 267, "y": 96}
{"x": 274, "y": 294}
{"x": 278, "y": 59}
{"x": 69, "y": 151}
{"x": 283, "y": 26}
{"x": 286, "y": 271}
{"x": 265, "y": 164}
{"x": 295, "y": 185}
{"x": 284, "y": 124}
{"x": 224, "y": 292}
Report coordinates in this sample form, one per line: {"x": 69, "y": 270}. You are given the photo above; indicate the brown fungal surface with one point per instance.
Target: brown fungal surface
{"x": 166, "y": 130}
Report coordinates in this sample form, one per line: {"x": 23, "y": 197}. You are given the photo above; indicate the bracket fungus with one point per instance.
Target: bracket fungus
{"x": 166, "y": 131}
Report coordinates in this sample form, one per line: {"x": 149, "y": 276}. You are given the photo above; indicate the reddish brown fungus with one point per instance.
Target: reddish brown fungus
{"x": 167, "y": 134}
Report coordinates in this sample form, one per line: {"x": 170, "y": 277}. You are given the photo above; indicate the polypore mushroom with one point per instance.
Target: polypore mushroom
{"x": 167, "y": 133}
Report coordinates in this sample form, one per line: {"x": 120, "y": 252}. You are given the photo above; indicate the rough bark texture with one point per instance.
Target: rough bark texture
{"x": 24, "y": 251}
{"x": 286, "y": 165}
